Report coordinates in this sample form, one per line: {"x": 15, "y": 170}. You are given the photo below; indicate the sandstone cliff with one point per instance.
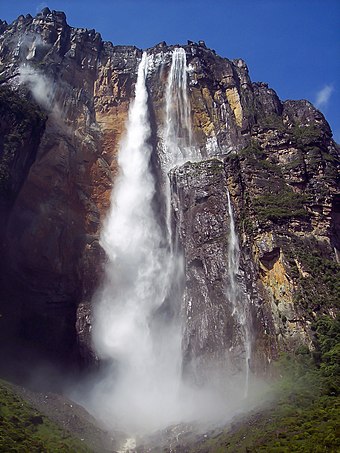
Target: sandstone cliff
{"x": 277, "y": 160}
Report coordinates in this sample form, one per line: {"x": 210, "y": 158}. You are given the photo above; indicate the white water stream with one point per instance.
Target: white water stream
{"x": 145, "y": 369}
{"x": 238, "y": 300}
{"x": 177, "y": 131}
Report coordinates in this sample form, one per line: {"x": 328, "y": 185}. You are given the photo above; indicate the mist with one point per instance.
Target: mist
{"x": 47, "y": 93}
{"x": 42, "y": 89}
{"x": 57, "y": 100}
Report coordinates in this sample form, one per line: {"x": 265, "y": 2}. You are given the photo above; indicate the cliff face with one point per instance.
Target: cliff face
{"x": 283, "y": 181}
{"x": 285, "y": 203}
{"x": 84, "y": 86}
{"x": 276, "y": 159}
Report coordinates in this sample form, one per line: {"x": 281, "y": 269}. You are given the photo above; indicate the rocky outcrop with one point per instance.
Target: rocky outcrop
{"x": 22, "y": 124}
{"x": 277, "y": 159}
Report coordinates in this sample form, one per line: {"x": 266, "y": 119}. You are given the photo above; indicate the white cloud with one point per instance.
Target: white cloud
{"x": 323, "y": 96}
{"x": 41, "y": 6}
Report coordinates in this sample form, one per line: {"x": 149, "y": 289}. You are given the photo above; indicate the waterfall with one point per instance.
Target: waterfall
{"x": 137, "y": 331}
{"x": 144, "y": 366}
{"x": 235, "y": 294}
{"x": 177, "y": 134}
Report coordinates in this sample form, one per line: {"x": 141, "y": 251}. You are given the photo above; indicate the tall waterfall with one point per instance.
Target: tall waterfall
{"x": 238, "y": 300}
{"x": 136, "y": 330}
{"x": 144, "y": 367}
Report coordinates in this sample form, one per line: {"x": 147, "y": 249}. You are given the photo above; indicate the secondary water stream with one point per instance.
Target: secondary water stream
{"x": 236, "y": 296}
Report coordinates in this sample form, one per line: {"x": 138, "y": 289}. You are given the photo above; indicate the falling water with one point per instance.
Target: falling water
{"x": 177, "y": 133}
{"x": 236, "y": 296}
{"x": 141, "y": 388}
{"x": 177, "y": 136}
{"x": 144, "y": 370}
{"x": 224, "y": 115}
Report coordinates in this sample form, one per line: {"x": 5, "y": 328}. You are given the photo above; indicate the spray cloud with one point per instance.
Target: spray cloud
{"x": 137, "y": 283}
{"x": 40, "y": 86}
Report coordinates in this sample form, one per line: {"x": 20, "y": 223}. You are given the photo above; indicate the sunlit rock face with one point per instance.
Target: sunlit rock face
{"x": 276, "y": 159}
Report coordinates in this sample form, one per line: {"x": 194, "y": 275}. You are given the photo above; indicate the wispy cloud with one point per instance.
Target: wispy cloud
{"x": 41, "y": 6}
{"x": 323, "y": 96}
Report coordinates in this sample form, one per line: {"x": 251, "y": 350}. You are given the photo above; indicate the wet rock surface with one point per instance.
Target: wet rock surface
{"x": 200, "y": 207}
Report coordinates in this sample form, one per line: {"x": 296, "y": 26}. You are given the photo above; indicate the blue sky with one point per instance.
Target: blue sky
{"x": 294, "y": 45}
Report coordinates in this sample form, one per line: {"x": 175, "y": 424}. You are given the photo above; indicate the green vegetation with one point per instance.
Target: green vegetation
{"x": 257, "y": 158}
{"x": 21, "y": 119}
{"x": 252, "y": 150}
{"x": 327, "y": 353}
{"x": 305, "y": 413}
{"x": 296, "y": 163}
{"x": 23, "y": 429}
{"x": 319, "y": 287}
{"x": 304, "y": 135}
{"x": 247, "y": 225}
{"x": 280, "y": 205}
{"x": 305, "y": 416}
{"x": 277, "y": 202}
{"x": 272, "y": 122}
{"x": 23, "y": 110}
